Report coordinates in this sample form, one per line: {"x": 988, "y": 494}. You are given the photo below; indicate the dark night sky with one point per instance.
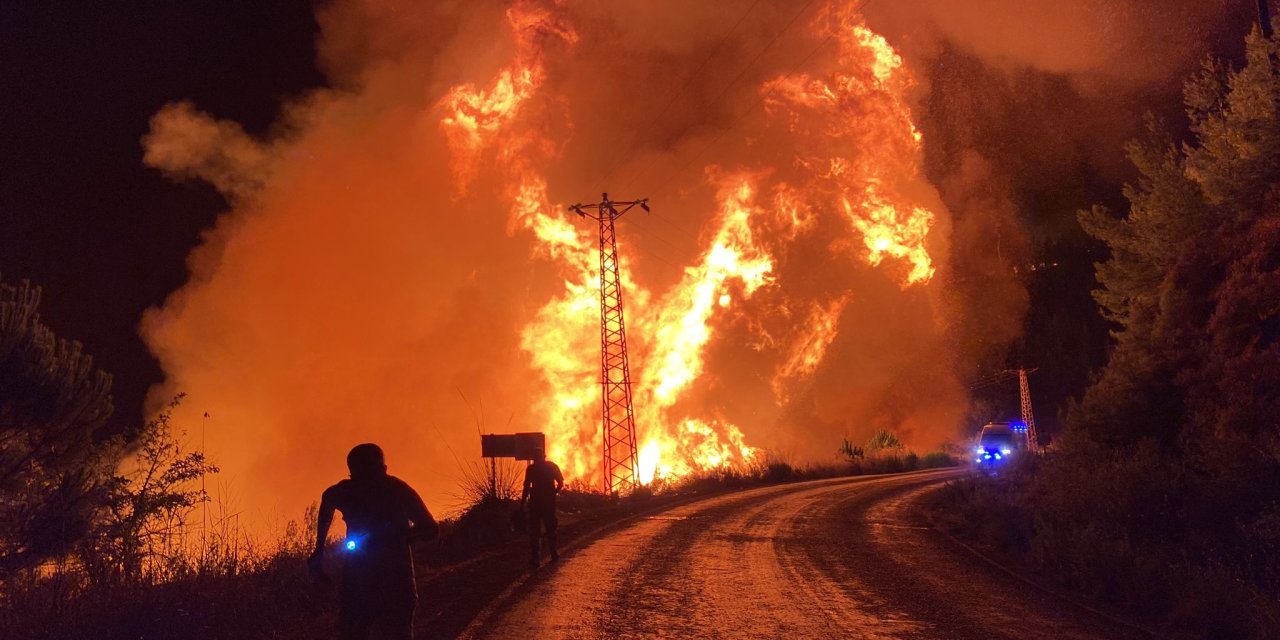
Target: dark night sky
{"x": 105, "y": 236}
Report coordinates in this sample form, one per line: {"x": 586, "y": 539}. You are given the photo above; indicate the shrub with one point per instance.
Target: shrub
{"x": 1126, "y": 528}
{"x": 777, "y": 472}
{"x": 936, "y": 460}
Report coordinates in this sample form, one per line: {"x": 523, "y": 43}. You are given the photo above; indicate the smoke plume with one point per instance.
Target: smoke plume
{"x": 397, "y": 266}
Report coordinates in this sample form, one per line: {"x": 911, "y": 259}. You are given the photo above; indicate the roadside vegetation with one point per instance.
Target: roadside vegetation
{"x": 1162, "y": 497}
{"x": 239, "y": 589}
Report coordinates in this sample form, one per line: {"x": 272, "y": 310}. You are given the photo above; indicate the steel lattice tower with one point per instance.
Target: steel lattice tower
{"x": 1024, "y": 398}
{"x": 619, "y": 422}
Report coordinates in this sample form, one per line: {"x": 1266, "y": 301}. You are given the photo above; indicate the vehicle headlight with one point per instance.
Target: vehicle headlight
{"x": 1005, "y": 450}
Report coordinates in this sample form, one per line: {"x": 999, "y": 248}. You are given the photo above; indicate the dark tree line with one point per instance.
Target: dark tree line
{"x": 1193, "y": 282}
{"x": 1163, "y": 494}
{"x": 70, "y": 491}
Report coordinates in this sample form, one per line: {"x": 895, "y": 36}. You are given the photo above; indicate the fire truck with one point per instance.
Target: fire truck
{"x": 1000, "y": 442}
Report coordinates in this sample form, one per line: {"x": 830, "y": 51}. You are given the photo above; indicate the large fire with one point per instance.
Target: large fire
{"x": 399, "y": 265}
{"x": 675, "y": 325}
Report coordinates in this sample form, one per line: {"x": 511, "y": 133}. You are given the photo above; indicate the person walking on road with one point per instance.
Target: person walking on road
{"x": 542, "y": 481}
{"x": 378, "y": 592}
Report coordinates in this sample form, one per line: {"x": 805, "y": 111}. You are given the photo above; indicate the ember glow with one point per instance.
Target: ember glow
{"x": 407, "y": 267}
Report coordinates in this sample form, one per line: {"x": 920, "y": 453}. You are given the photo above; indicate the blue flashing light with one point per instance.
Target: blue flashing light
{"x": 351, "y": 545}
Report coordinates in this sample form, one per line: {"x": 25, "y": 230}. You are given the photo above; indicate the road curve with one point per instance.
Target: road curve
{"x": 843, "y": 558}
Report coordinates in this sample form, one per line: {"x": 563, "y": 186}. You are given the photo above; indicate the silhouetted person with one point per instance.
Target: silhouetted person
{"x": 378, "y": 591}
{"x": 542, "y": 481}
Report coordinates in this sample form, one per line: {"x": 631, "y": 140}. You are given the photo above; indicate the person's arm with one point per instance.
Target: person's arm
{"x": 424, "y": 526}
{"x": 559, "y": 477}
{"x": 324, "y": 519}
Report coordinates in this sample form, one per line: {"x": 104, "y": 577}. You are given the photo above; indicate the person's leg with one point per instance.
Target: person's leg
{"x": 396, "y": 622}
{"x": 535, "y": 523}
{"x": 550, "y": 520}
{"x": 354, "y": 622}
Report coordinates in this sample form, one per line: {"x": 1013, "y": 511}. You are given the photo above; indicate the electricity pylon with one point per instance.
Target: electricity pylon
{"x": 1024, "y": 398}
{"x": 619, "y": 421}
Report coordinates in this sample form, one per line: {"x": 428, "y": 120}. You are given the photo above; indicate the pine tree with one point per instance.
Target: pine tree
{"x": 1186, "y": 280}
{"x": 52, "y": 403}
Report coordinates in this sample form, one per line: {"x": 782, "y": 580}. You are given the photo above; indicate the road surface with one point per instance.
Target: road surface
{"x": 843, "y": 558}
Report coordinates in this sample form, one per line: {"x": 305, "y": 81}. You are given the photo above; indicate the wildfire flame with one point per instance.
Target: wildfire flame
{"x": 402, "y": 239}
{"x": 670, "y": 331}
{"x": 807, "y": 353}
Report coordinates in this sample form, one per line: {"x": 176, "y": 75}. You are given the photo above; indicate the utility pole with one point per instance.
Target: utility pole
{"x": 1024, "y": 397}
{"x": 493, "y": 478}
{"x": 619, "y": 422}
{"x": 204, "y": 493}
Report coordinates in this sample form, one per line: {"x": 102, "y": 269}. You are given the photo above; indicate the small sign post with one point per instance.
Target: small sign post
{"x": 512, "y": 445}
{"x": 520, "y": 446}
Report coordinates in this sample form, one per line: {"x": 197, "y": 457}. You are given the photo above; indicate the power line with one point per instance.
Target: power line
{"x": 990, "y": 380}
{"x": 675, "y": 174}
{"x": 681, "y": 89}
{"x": 740, "y": 76}
{"x": 668, "y": 243}
{"x": 655, "y": 255}
{"x": 723, "y": 92}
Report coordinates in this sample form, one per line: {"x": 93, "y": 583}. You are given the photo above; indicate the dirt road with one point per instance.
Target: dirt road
{"x": 844, "y": 558}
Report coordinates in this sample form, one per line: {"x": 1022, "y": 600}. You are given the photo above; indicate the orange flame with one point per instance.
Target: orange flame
{"x": 802, "y": 303}
{"x": 808, "y": 351}
{"x": 870, "y": 111}
{"x": 670, "y": 332}
{"x": 680, "y": 330}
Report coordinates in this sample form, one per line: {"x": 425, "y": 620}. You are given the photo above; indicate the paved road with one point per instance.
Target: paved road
{"x": 845, "y": 558}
